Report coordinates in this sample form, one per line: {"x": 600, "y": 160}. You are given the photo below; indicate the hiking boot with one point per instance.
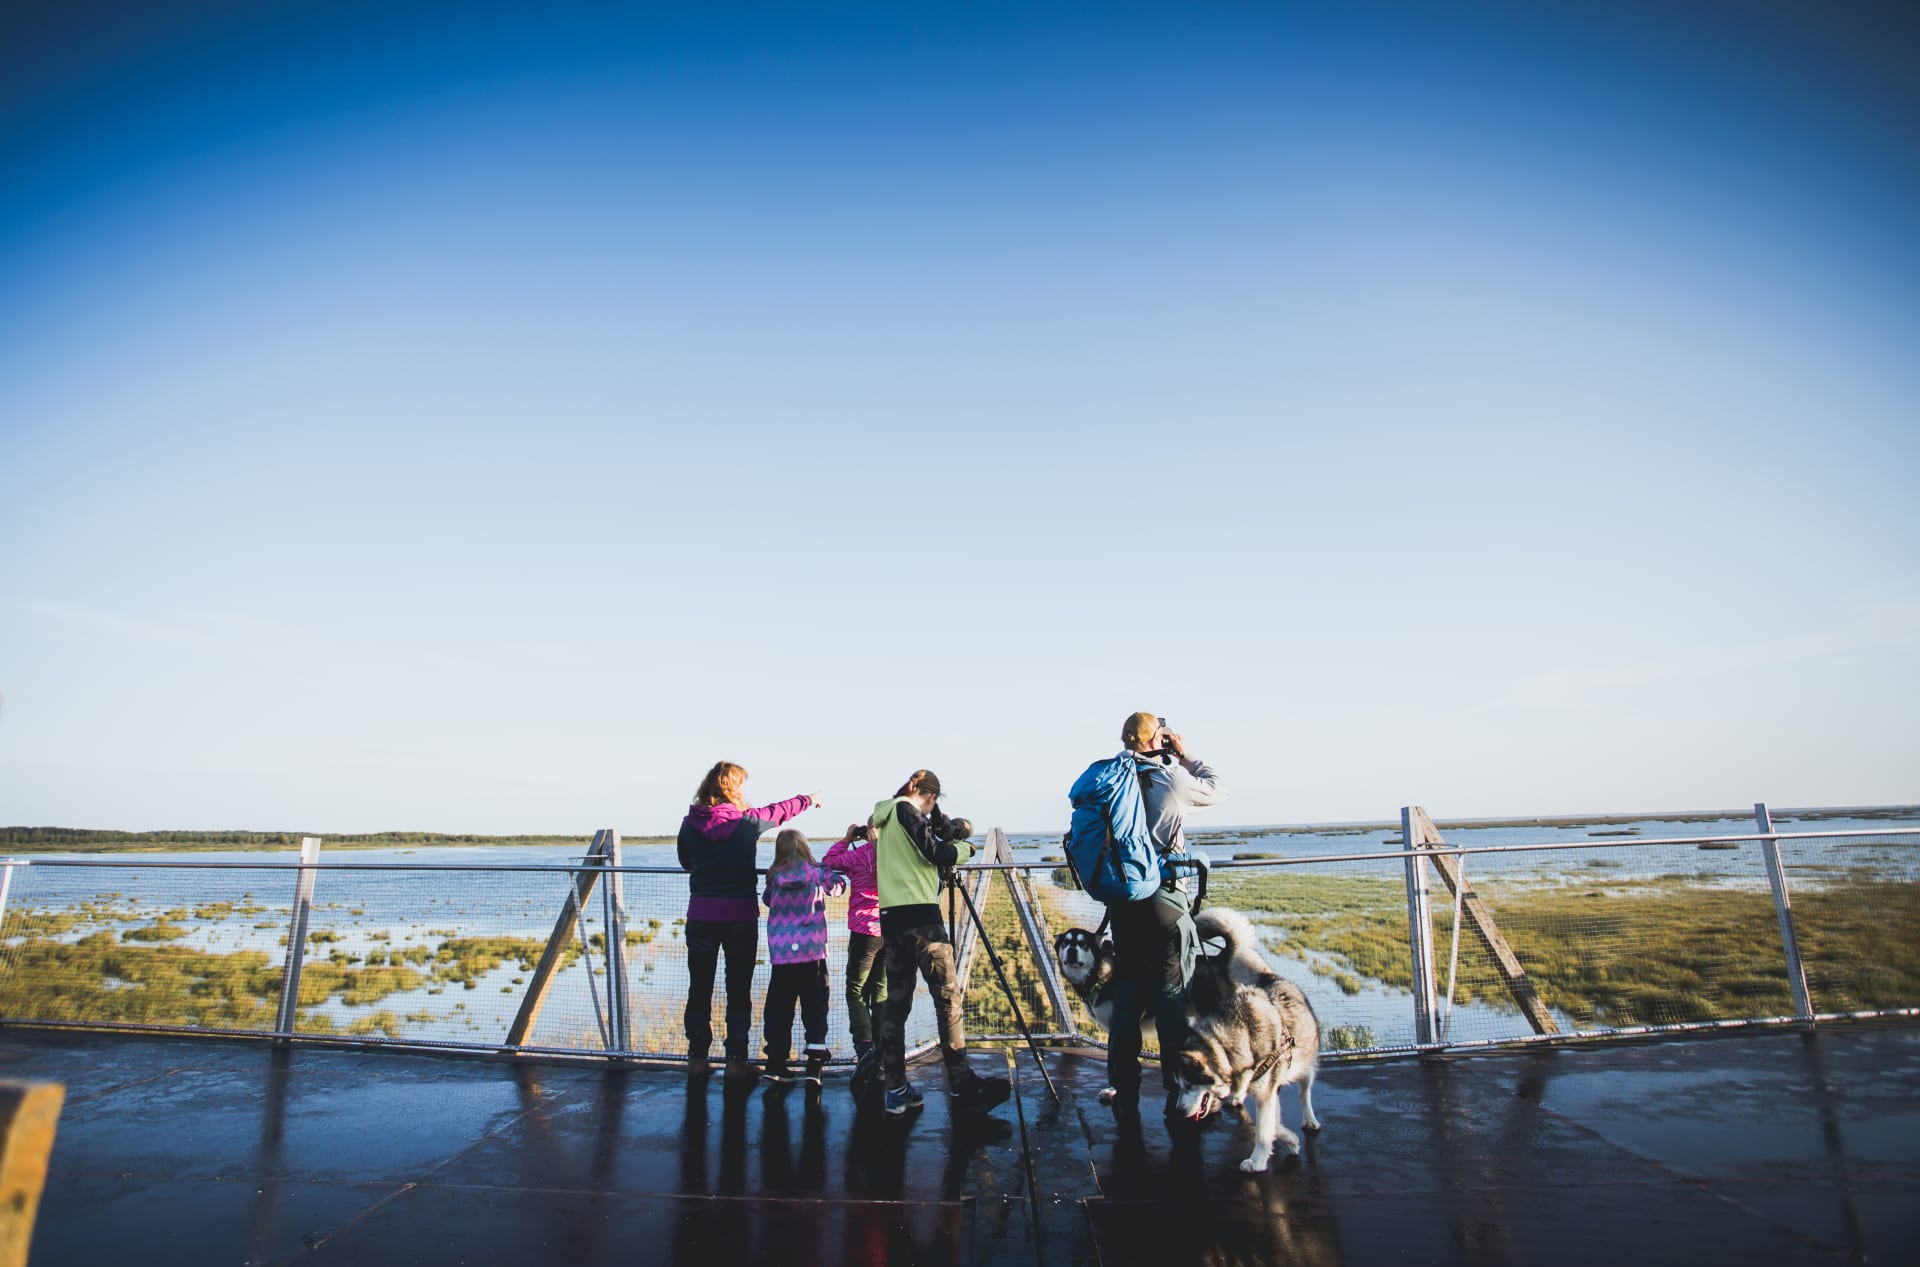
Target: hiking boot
{"x": 979, "y": 1095}
{"x": 742, "y": 1071}
{"x": 900, "y": 1099}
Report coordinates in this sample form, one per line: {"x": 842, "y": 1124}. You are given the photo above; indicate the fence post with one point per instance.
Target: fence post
{"x": 1783, "y": 911}
{"x": 619, "y": 1011}
{"x": 6, "y": 885}
{"x": 1419, "y": 927}
{"x": 1033, "y": 925}
{"x": 572, "y": 913}
{"x": 297, "y": 937}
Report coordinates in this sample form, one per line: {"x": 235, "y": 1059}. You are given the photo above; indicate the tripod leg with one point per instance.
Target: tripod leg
{"x": 979, "y": 926}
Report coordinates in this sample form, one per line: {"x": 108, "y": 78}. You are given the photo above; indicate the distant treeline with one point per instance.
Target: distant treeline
{"x": 54, "y": 839}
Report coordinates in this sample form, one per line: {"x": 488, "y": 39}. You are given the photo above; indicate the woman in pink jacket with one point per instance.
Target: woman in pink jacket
{"x": 866, "y": 950}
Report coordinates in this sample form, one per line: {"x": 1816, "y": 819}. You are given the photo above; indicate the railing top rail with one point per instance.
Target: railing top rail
{"x": 569, "y": 868}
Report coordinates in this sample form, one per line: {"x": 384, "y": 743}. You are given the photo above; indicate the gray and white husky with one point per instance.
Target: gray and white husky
{"x": 1215, "y": 1008}
{"x": 1250, "y": 1038}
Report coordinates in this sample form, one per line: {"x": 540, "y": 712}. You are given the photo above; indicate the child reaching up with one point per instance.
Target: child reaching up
{"x": 866, "y": 949}
{"x": 797, "y": 950}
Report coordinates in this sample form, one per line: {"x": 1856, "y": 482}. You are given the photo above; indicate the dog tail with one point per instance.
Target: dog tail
{"x": 1221, "y": 923}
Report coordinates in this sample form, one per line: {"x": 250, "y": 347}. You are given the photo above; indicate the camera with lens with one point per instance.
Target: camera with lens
{"x": 949, "y": 831}
{"x": 863, "y": 832}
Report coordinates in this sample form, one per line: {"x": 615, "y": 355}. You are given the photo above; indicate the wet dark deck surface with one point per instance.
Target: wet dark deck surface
{"x": 1775, "y": 1147}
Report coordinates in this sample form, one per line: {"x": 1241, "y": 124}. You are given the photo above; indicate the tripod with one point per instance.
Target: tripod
{"x": 979, "y": 927}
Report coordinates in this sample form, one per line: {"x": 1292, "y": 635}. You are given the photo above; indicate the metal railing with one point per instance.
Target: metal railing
{"x": 1430, "y": 947}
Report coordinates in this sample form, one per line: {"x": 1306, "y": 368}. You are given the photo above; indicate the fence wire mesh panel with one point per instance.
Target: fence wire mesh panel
{"x": 408, "y": 954}
{"x": 1612, "y": 936}
{"x": 1338, "y": 929}
{"x": 197, "y": 948}
{"x": 989, "y": 1009}
{"x": 1856, "y": 908}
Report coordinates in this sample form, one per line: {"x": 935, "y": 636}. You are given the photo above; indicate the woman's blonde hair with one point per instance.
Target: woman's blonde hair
{"x": 790, "y": 846}
{"x": 722, "y": 786}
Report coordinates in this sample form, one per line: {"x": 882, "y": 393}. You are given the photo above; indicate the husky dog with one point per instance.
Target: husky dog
{"x": 1087, "y": 962}
{"x": 1248, "y": 1041}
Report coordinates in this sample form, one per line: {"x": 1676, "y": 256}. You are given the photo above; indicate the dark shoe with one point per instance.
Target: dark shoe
{"x": 698, "y": 1065}
{"x": 742, "y": 1071}
{"x": 979, "y": 1095}
{"x": 901, "y": 1099}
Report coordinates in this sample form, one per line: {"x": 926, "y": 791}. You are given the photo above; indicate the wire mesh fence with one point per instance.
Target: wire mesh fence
{"x": 581, "y": 958}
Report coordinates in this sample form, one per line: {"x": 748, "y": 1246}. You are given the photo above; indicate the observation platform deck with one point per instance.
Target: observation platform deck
{"x": 1760, "y": 1147}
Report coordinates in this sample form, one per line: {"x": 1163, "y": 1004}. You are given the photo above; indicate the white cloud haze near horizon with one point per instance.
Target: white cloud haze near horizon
{"x": 1516, "y": 425}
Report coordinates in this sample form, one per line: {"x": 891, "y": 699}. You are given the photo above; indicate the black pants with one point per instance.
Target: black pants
{"x": 1154, "y": 941}
{"x": 740, "y": 938}
{"x": 866, "y": 984}
{"x": 806, "y": 982}
{"x": 924, "y": 950}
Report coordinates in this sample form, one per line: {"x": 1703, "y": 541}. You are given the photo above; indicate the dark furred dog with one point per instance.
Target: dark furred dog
{"x": 1088, "y": 965}
{"x": 1250, "y": 1038}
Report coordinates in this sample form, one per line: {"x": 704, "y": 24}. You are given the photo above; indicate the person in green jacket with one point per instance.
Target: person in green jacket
{"x": 911, "y": 854}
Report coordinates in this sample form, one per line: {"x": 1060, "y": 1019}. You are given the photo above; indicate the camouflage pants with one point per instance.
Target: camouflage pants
{"x": 926, "y": 951}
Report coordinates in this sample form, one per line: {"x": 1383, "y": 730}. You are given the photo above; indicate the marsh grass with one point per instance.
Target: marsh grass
{"x": 103, "y": 978}
{"x": 1657, "y": 950}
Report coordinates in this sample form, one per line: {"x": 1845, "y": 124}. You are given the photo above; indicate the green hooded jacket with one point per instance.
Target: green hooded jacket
{"x": 908, "y": 856}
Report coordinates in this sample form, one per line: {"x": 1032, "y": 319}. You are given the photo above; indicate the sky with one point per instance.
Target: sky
{"x": 482, "y": 419}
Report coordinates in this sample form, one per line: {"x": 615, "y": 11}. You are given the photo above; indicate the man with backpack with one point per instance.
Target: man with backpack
{"x": 1128, "y": 832}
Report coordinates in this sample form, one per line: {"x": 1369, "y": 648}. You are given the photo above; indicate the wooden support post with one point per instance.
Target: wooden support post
{"x": 29, "y": 1113}
{"x": 1480, "y": 920}
{"x": 1419, "y": 930}
{"x": 550, "y": 959}
{"x": 297, "y": 938}
{"x": 1783, "y": 911}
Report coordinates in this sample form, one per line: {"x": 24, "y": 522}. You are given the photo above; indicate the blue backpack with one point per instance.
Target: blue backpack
{"x": 1109, "y": 846}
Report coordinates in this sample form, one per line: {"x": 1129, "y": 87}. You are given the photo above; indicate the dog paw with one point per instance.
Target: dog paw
{"x": 1311, "y": 1126}
{"x": 1254, "y": 1165}
{"x": 1108, "y": 1095}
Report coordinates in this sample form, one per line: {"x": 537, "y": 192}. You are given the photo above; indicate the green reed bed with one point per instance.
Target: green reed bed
{"x": 1660, "y": 950}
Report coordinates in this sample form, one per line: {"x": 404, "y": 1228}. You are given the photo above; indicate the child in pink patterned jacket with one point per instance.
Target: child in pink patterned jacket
{"x": 866, "y": 949}
{"x": 797, "y": 950}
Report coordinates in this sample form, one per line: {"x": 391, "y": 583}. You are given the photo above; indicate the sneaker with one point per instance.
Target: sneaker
{"x": 742, "y": 1071}
{"x": 777, "y": 1071}
{"x": 979, "y": 1095}
{"x": 900, "y": 1099}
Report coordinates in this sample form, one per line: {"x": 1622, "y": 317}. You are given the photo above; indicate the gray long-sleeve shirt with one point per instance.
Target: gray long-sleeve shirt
{"x": 1173, "y": 786}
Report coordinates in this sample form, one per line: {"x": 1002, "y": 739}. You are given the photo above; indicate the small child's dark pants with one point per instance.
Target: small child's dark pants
{"x": 787, "y": 982}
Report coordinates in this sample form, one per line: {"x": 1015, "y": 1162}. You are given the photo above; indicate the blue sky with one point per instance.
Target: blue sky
{"x": 476, "y": 421}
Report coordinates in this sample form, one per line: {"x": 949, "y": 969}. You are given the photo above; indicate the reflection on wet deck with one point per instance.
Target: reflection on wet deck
{"x": 1774, "y": 1147}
